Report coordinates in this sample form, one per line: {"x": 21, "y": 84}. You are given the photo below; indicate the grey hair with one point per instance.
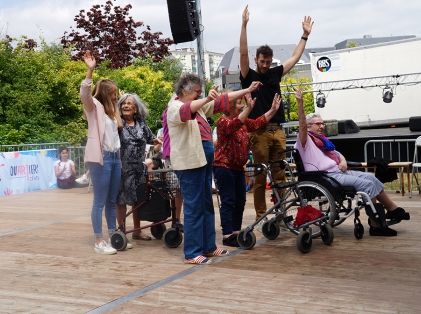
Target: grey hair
{"x": 186, "y": 83}
{"x": 142, "y": 110}
{"x": 311, "y": 116}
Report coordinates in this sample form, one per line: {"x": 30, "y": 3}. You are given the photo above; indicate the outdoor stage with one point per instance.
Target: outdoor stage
{"x": 48, "y": 265}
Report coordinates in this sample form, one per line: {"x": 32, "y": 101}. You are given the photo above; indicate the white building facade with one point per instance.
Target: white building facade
{"x": 188, "y": 58}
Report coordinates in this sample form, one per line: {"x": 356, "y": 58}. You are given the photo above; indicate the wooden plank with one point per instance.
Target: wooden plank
{"x": 48, "y": 265}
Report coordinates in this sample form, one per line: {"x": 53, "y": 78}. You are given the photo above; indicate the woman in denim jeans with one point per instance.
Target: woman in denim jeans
{"x": 192, "y": 157}
{"x": 102, "y": 152}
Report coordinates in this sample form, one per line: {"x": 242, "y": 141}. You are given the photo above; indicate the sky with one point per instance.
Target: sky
{"x": 271, "y": 21}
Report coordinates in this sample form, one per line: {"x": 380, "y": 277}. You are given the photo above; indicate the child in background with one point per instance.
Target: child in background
{"x": 64, "y": 169}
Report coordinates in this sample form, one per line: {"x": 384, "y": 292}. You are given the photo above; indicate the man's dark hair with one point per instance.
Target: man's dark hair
{"x": 265, "y": 51}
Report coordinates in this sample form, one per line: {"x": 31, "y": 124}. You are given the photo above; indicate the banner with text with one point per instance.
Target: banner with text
{"x": 27, "y": 171}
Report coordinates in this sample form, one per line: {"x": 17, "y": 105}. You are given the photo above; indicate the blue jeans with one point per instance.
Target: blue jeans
{"x": 199, "y": 214}
{"x": 106, "y": 184}
{"x": 232, "y": 191}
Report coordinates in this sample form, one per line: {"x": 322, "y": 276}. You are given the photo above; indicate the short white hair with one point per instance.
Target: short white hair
{"x": 311, "y": 116}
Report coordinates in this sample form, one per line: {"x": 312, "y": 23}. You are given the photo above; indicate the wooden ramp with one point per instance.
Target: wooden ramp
{"x": 47, "y": 265}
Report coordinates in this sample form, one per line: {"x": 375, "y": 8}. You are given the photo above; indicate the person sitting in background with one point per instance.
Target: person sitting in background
{"x": 319, "y": 154}
{"x": 65, "y": 170}
{"x": 231, "y": 154}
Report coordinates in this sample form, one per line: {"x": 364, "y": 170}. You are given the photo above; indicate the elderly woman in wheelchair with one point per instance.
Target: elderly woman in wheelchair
{"x": 323, "y": 164}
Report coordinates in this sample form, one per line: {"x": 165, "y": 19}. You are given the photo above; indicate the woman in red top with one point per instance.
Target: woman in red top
{"x": 231, "y": 153}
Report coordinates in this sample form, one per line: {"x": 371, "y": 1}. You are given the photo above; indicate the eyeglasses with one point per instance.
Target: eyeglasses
{"x": 319, "y": 123}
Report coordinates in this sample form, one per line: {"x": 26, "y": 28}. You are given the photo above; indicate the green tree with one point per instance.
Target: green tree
{"x": 290, "y": 97}
{"x": 36, "y": 102}
{"x": 39, "y": 91}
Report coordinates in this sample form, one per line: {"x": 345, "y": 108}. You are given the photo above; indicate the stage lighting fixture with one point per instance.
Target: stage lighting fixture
{"x": 387, "y": 94}
{"x": 320, "y": 100}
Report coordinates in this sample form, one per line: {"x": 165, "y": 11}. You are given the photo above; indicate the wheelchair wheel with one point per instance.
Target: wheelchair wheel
{"x": 315, "y": 195}
{"x": 341, "y": 211}
{"x": 358, "y": 231}
{"x": 118, "y": 240}
{"x": 158, "y": 231}
{"x": 304, "y": 241}
{"x": 271, "y": 229}
{"x": 173, "y": 238}
{"x": 246, "y": 240}
{"x": 326, "y": 233}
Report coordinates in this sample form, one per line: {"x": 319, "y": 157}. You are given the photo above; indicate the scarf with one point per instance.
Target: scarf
{"x": 325, "y": 145}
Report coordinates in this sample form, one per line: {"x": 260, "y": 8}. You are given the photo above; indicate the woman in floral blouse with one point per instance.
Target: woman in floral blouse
{"x": 231, "y": 154}
{"x": 134, "y": 136}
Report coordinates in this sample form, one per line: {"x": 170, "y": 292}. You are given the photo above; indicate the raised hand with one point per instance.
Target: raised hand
{"x": 254, "y": 86}
{"x": 89, "y": 60}
{"x": 213, "y": 94}
{"x": 299, "y": 95}
{"x": 250, "y": 102}
{"x": 307, "y": 25}
{"x": 245, "y": 15}
{"x": 276, "y": 102}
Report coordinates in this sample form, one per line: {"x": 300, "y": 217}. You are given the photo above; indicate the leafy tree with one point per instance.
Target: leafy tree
{"x": 170, "y": 67}
{"x": 111, "y": 34}
{"x": 39, "y": 91}
{"x": 38, "y": 99}
{"x": 150, "y": 85}
{"x": 290, "y": 97}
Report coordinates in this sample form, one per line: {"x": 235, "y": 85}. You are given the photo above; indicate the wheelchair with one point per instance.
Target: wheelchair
{"x": 306, "y": 209}
{"x": 348, "y": 201}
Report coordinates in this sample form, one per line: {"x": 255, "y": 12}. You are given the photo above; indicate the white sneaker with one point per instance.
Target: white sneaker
{"x": 104, "y": 248}
{"x": 129, "y": 246}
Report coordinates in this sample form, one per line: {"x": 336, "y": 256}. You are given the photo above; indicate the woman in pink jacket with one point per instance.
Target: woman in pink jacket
{"x": 102, "y": 152}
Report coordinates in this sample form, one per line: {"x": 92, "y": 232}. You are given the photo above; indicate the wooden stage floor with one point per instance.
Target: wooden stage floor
{"x": 47, "y": 265}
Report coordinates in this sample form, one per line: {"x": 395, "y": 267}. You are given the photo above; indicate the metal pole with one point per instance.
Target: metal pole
{"x": 200, "y": 53}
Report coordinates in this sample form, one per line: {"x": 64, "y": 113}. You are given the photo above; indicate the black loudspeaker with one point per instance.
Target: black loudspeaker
{"x": 347, "y": 127}
{"x": 184, "y": 20}
{"x": 415, "y": 123}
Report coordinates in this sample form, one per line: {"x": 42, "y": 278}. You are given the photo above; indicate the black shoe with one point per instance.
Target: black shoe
{"x": 395, "y": 216}
{"x": 231, "y": 240}
{"x": 382, "y": 232}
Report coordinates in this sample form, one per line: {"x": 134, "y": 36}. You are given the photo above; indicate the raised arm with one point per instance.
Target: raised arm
{"x": 242, "y": 92}
{"x": 244, "y": 54}
{"x": 247, "y": 108}
{"x": 299, "y": 49}
{"x": 85, "y": 90}
{"x": 301, "y": 118}
{"x": 199, "y": 103}
{"x": 275, "y": 106}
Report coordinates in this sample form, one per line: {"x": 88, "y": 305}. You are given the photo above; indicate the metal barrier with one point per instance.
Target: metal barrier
{"x": 390, "y": 149}
{"x": 20, "y": 147}
{"x": 76, "y": 153}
